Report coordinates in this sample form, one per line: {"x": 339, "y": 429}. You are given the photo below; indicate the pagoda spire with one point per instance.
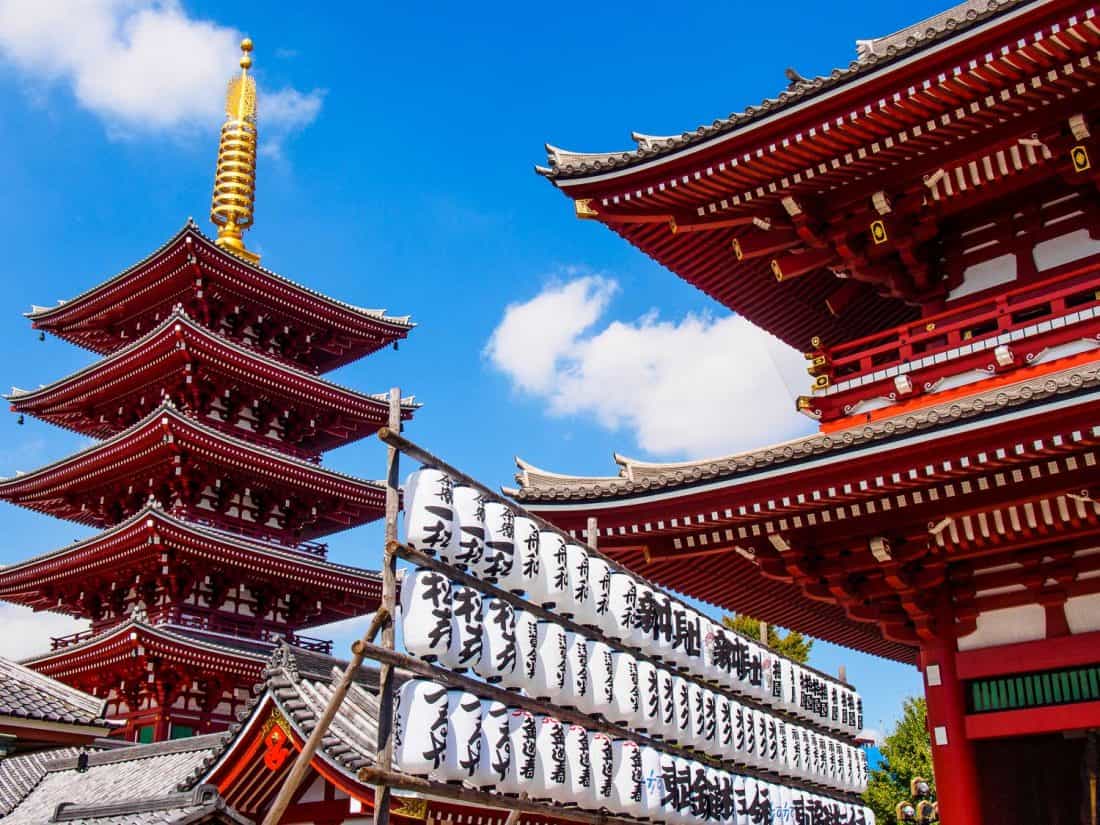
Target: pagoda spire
{"x": 235, "y": 178}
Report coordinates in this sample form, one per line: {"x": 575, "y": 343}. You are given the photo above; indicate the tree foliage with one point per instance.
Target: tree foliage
{"x": 906, "y": 753}
{"x": 792, "y": 644}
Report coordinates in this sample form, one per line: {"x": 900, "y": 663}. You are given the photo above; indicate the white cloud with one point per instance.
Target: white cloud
{"x": 696, "y": 386}
{"x": 27, "y": 633}
{"x": 139, "y": 65}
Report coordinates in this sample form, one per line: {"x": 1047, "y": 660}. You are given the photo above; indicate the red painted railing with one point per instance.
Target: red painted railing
{"x": 1077, "y": 287}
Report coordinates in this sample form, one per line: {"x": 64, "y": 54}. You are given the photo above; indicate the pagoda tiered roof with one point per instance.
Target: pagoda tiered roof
{"x": 227, "y": 292}
{"x": 208, "y": 475}
{"x": 87, "y": 661}
{"x": 203, "y": 371}
{"x": 151, "y": 539}
{"x": 926, "y": 130}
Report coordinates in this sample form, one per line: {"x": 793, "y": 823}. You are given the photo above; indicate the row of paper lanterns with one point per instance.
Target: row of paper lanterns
{"x": 496, "y": 545}
{"x": 454, "y": 736}
{"x": 458, "y": 628}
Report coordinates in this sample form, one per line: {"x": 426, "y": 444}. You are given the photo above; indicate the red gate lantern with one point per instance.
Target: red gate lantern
{"x": 499, "y": 651}
{"x": 470, "y": 520}
{"x": 429, "y": 513}
{"x": 420, "y": 727}
{"x": 426, "y": 614}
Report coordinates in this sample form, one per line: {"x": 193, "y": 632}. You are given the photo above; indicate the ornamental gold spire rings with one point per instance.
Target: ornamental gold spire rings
{"x": 235, "y": 178}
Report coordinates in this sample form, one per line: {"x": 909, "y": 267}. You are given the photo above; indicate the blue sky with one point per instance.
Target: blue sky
{"x": 399, "y": 145}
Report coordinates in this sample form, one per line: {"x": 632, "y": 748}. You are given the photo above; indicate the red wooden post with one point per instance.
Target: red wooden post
{"x": 952, "y": 753}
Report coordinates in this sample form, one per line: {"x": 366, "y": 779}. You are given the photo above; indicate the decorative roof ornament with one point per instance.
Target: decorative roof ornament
{"x": 235, "y": 178}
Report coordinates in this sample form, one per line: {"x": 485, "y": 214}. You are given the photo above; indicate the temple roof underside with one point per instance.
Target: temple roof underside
{"x": 223, "y": 291}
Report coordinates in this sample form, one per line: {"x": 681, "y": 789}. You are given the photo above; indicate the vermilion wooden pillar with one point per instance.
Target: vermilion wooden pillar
{"x": 952, "y": 753}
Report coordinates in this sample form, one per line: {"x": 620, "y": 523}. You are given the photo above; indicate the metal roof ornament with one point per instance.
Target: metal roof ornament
{"x": 235, "y": 179}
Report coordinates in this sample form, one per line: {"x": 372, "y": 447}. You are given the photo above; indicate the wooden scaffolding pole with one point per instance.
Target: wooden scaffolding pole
{"x": 383, "y": 620}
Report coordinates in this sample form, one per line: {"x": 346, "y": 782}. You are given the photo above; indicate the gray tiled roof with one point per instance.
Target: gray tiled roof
{"x": 29, "y": 695}
{"x": 20, "y": 773}
{"x": 871, "y": 54}
{"x": 124, "y": 776}
{"x": 200, "y": 805}
{"x": 300, "y": 683}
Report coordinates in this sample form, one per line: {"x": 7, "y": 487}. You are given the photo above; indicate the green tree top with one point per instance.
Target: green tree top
{"x": 792, "y": 644}
{"x": 906, "y": 753}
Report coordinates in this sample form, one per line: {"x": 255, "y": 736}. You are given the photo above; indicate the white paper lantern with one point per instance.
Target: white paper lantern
{"x": 500, "y": 534}
{"x": 678, "y": 791}
{"x": 591, "y": 611}
{"x": 602, "y": 757}
{"x": 740, "y": 800}
{"x": 466, "y": 626}
{"x": 681, "y": 701}
{"x": 575, "y": 694}
{"x": 748, "y": 798}
{"x": 626, "y": 699}
{"x": 697, "y": 806}
{"x": 714, "y": 659}
{"x": 755, "y": 683}
{"x": 576, "y": 561}
{"x": 426, "y": 614}
{"x": 470, "y": 520}
{"x": 667, "y": 722}
{"x": 551, "y": 587}
{"x": 551, "y": 769}
{"x": 525, "y": 564}
{"x": 499, "y": 651}
{"x": 725, "y": 739}
{"x": 579, "y": 766}
{"x": 619, "y": 619}
{"x": 548, "y": 682}
{"x": 463, "y": 754}
{"x": 420, "y": 727}
{"x": 522, "y": 735}
{"x": 687, "y": 637}
{"x": 748, "y": 722}
{"x": 601, "y": 678}
{"x": 652, "y": 784}
{"x": 773, "y": 678}
{"x": 725, "y": 809}
{"x": 646, "y": 622}
{"x": 763, "y": 744}
{"x": 697, "y": 716}
{"x": 649, "y": 694}
{"x": 713, "y": 808}
{"x": 787, "y": 678}
{"x": 429, "y": 513}
{"x": 495, "y": 756}
{"x": 627, "y": 789}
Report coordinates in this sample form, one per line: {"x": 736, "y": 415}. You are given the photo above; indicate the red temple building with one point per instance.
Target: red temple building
{"x": 210, "y": 415}
{"x": 925, "y": 225}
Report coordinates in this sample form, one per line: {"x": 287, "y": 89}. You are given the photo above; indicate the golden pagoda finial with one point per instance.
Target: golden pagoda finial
{"x": 235, "y": 178}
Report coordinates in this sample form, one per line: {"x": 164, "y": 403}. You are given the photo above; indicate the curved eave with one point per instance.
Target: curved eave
{"x": 132, "y": 635}
{"x": 127, "y": 368}
{"x": 332, "y": 312}
{"x": 151, "y": 433}
{"x": 114, "y": 546}
{"x": 878, "y": 58}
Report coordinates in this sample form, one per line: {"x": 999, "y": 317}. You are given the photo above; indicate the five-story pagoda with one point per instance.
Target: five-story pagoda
{"x": 211, "y": 419}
